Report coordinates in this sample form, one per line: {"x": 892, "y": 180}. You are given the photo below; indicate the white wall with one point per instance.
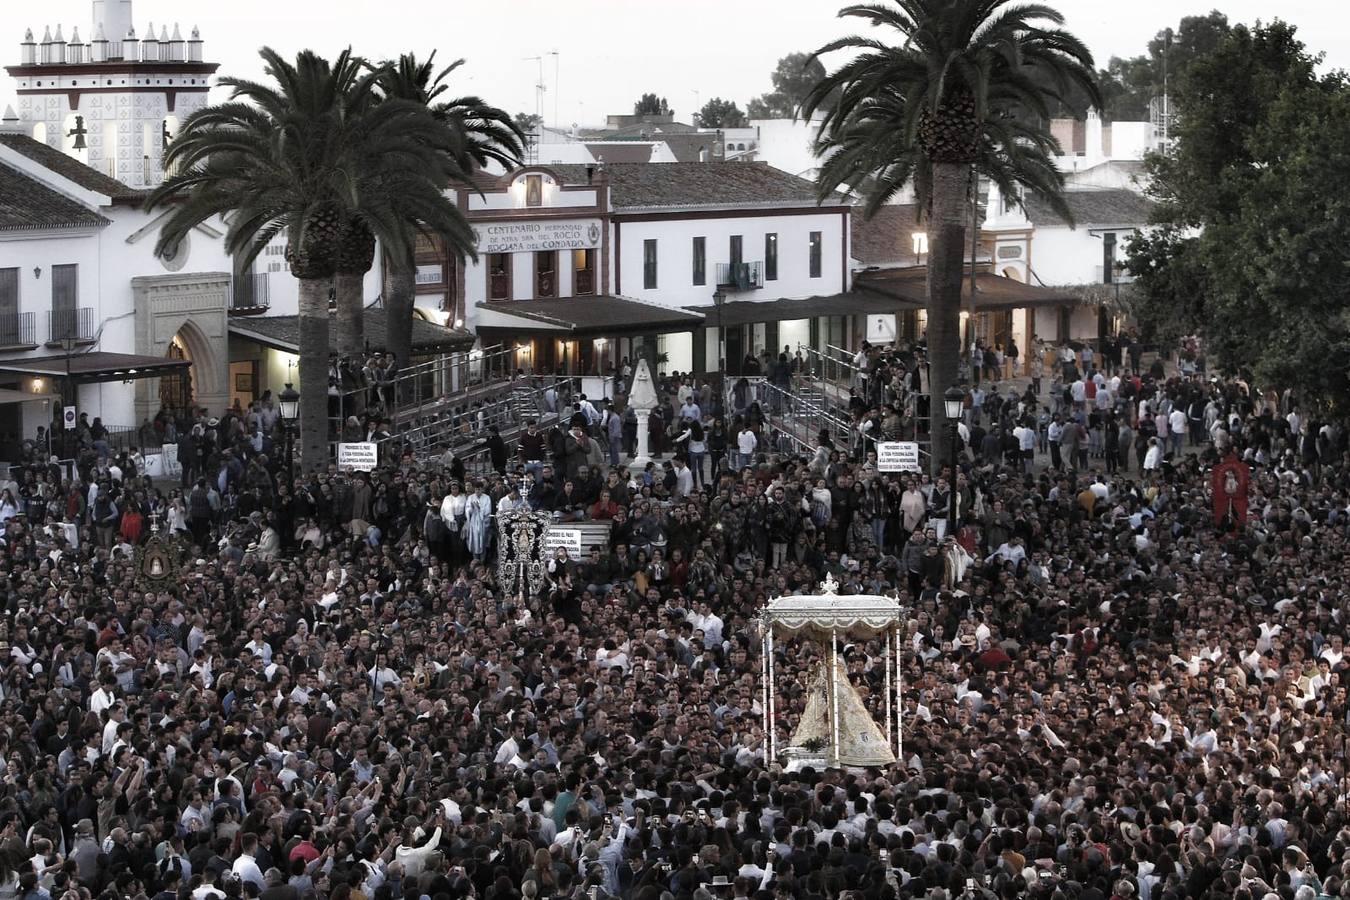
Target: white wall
{"x": 1062, "y": 255}
{"x": 675, "y": 256}
{"x": 786, "y": 144}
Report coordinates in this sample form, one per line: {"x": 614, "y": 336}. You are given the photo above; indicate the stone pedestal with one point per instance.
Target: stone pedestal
{"x": 643, "y": 400}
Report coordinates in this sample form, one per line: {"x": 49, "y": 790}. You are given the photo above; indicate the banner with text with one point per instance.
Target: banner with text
{"x": 570, "y": 538}
{"x": 530, "y": 237}
{"x": 898, "y": 456}
{"x": 361, "y": 457}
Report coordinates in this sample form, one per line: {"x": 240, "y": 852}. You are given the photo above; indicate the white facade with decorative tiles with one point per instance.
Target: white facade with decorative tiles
{"x": 115, "y": 101}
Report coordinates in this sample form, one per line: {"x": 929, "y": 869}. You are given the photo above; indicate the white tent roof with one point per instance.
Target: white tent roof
{"x": 860, "y": 615}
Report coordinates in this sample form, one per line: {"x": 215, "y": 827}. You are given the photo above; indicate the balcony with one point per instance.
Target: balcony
{"x": 73, "y": 324}
{"x": 740, "y": 276}
{"x": 18, "y": 330}
{"x": 250, "y": 294}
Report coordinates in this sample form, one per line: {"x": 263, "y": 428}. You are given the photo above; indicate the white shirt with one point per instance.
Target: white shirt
{"x": 1177, "y": 422}
{"x": 245, "y": 869}
{"x": 746, "y": 442}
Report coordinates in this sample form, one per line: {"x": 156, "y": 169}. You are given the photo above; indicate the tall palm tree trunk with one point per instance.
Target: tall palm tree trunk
{"x": 400, "y": 286}
{"x": 947, "y": 241}
{"x": 351, "y": 315}
{"x": 313, "y": 323}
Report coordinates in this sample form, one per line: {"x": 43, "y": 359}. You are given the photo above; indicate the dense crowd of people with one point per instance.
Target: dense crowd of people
{"x": 1108, "y": 693}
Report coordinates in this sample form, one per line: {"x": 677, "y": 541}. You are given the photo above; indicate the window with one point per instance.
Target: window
{"x": 545, "y": 273}
{"x": 815, "y": 254}
{"x": 65, "y": 298}
{"x": 700, "y": 260}
{"x": 583, "y": 272}
{"x": 499, "y": 276}
{"x": 534, "y": 190}
{"x": 735, "y": 250}
{"x": 9, "y": 307}
{"x": 770, "y": 257}
{"x": 649, "y": 264}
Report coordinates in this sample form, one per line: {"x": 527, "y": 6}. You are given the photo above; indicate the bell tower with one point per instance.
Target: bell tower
{"x": 116, "y": 101}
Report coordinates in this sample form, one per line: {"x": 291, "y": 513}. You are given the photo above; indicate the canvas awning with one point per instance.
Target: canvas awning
{"x": 751, "y": 312}
{"x": 818, "y": 616}
{"x": 92, "y": 368}
{"x": 910, "y": 285}
{"x": 597, "y": 316}
{"x": 283, "y": 333}
{"x": 11, "y": 396}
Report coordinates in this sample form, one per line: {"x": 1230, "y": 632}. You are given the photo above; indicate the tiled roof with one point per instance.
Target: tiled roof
{"x": 1102, "y": 207}
{"x": 687, "y": 184}
{"x": 29, "y": 205}
{"x": 70, "y": 168}
{"x": 627, "y": 152}
{"x": 887, "y": 237}
{"x": 283, "y": 332}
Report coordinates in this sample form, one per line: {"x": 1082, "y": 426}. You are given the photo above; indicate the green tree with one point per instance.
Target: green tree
{"x": 307, "y": 156}
{"x": 652, "y": 105}
{"x": 526, "y": 123}
{"x": 933, "y": 106}
{"x": 1129, "y": 84}
{"x": 477, "y": 134}
{"x": 793, "y": 79}
{"x": 719, "y": 113}
{"x": 1252, "y": 234}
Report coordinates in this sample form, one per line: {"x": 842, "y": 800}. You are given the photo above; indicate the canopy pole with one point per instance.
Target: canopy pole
{"x": 887, "y": 696}
{"x": 764, "y": 694}
{"x": 773, "y": 723}
{"x": 834, "y": 694}
{"x": 899, "y": 700}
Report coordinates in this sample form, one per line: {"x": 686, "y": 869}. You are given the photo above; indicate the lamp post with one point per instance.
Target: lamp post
{"x": 289, "y": 401}
{"x": 68, "y": 345}
{"x": 952, "y": 400}
{"x": 719, "y": 301}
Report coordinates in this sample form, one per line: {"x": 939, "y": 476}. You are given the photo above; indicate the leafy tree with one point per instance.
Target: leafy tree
{"x": 526, "y": 123}
{"x": 793, "y": 78}
{"x": 719, "y": 113}
{"x": 1252, "y": 234}
{"x": 652, "y": 105}
{"x": 933, "y": 106}
{"x": 478, "y": 134}
{"x": 1128, "y": 85}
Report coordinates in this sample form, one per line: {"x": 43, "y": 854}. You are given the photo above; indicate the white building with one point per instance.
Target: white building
{"x": 582, "y": 266}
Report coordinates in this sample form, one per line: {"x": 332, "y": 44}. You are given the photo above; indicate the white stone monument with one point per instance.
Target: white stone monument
{"x": 643, "y": 400}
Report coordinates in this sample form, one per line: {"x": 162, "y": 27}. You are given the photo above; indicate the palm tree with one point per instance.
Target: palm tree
{"x": 478, "y": 134}
{"x": 301, "y": 157}
{"x": 963, "y": 88}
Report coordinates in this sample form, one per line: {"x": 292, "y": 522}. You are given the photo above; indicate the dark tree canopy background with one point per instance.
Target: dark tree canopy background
{"x": 1253, "y": 245}
{"x": 652, "y": 105}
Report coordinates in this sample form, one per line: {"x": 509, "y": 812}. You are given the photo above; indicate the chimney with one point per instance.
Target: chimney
{"x": 150, "y": 45}
{"x": 98, "y": 47}
{"x": 10, "y": 124}
{"x": 194, "y": 49}
{"x": 47, "y": 45}
{"x": 177, "y": 50}
{"x": 75, "y": 50}
{"x": 131, "y": 47}
{"x": 58, "y": 46}
{"x": 28, "y": 49}
{"x": 702, "y": 154}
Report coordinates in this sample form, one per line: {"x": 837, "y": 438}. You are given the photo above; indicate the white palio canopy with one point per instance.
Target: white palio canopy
{"x": 820, "y": 615}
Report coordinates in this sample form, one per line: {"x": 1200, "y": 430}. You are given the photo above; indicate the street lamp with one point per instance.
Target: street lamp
{"x": 719, "y": 301}
{"x": 952, "y": 401}
{"x": 289, "y": 401}
{"x": 68, "y": 345}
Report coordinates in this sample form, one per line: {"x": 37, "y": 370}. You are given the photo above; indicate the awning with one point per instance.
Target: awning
{"x": 11, "y": 396}
{"x": 910, "y": 285}
{"x": 283, "y": 333}
{"x": 599, "y": 316}
{"x": 91, "y": 368}
{"x": 750, "y": 312}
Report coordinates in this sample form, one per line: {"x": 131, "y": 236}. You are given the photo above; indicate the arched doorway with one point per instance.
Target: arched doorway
{"x": 175, "y": 391}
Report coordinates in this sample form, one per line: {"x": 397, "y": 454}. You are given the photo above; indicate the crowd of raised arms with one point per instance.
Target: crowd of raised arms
{"x": 1106, "y": 694}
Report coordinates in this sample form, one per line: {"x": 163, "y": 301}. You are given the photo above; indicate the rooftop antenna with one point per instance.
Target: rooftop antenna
{"x": 538, "y": 87}
{"x": 556, "y": 58}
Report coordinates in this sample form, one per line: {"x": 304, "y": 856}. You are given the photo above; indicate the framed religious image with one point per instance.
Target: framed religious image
{"x": 243, "y": 382}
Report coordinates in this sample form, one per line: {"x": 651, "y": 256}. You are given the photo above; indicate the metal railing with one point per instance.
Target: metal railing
{"x": 740, "y": 276}
{"x": 77, "y": 324}
{"x": 465, "y": 430}
{"x": 18, "y": 329}
{"x": 826, "y": 366}
{"x": 251, "y": 292}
